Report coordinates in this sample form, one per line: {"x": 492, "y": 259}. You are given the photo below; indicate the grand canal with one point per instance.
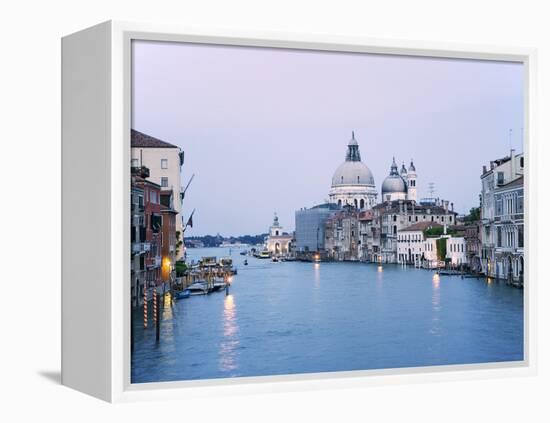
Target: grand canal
{"x": 293, "y": 317}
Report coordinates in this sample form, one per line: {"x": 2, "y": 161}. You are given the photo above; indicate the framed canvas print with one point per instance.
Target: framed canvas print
{"x": 252, "y": 212}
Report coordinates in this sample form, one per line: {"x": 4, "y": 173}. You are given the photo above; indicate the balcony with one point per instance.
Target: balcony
{"x": 141, "y": 171}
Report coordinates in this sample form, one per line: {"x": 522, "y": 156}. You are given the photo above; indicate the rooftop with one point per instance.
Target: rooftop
{"x": 512, "y": 184}
{"x": 141, "y": 140}
{"x": 421, "y": 226}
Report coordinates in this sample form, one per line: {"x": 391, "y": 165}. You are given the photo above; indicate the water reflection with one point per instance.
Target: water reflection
{"x": 436, "y": 305}
{"x": 317, "y": 275}
{"x": 230, "y": 341}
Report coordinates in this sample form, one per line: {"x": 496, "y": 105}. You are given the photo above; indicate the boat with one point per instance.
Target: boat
{"x": 243, "y": 253}
{"x": 186, "y": 293}
{"x": 275, "y": 259}
{"x": 245, "y": 262}
{"x": 208, "y": 262}
{"x": 216, "y": 286}
{"x": 198, "y": 288}
{"x": 264, "y": 254}
{"x": 226, "y": 262}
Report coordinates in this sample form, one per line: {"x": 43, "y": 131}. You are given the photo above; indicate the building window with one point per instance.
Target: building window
{"x": 135, "y": 162}
{"x": 164, "y": 163}
{"x": 500, "y": 178}
{"x": 164, "y": 182}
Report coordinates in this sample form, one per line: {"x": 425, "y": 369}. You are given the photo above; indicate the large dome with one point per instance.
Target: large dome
{"x": 352, "y": 173}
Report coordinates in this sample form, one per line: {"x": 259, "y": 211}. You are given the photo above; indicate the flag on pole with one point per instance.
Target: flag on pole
{"x": 190, "y": 220}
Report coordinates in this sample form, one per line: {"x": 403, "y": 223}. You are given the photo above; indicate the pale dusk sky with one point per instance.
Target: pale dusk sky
{"x": 264, "y": 129}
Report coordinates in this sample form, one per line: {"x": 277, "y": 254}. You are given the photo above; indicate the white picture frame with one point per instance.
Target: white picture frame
{"x": 96, "y": 96}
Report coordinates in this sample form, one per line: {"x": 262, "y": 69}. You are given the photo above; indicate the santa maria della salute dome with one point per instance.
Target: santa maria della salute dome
{"x": 353, "y": 182}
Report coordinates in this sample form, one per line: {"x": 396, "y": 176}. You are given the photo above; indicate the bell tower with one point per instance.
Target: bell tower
{"x": 411, "y": 182}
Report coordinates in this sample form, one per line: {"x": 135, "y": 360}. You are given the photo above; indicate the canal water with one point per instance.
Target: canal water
{"x": 293, "y": 317}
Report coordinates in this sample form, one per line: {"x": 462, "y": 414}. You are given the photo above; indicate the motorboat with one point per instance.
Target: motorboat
{"x": 186, "y": 293}
{"x": 264, "y": 254}
{"x": 198, "y": 288}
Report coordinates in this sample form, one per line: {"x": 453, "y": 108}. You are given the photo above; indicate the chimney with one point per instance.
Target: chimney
{"x": 452, "y": 207}
{"x": 446, "y": 205}
{"x": 484, "y": 169}
{"x": 512, "y": 164}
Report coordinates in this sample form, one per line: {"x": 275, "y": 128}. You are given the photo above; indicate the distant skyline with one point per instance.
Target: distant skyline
{"x": 263, "y": 130}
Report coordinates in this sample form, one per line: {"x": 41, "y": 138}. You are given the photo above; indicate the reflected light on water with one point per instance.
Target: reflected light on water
{"x": 380, "y": 269}
{"x": 230, "y": 341}
{"x": 317, "y": 274}
{"x": 436, "y": 306}
{"x": 435, "y": 280}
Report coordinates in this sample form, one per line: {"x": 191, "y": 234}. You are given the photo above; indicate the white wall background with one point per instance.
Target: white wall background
{"x": 30, "y": 206}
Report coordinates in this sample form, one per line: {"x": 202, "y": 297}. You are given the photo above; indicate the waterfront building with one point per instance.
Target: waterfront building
{"x": 342, "y": 235}
{"x": 509, "y": 228}
{"x": 414, "y": 247}
{"x": 400, "y": 185}
{"x": 353, "y": 182}
{"x": 456, "y": 251}
{"x": 164, "y": 161}
{"x": 310, "y": 227}
{"x": 369, "y": 238}
{"x": 169, "y": 242}
{"x": 153, "y": 230}
{"x": 497, "y": 181}
{"x": 472, "y": 236}
{"x": 393, "y": 216}
{"x": 278, "y": 241}
{"x": 138, "y": 244}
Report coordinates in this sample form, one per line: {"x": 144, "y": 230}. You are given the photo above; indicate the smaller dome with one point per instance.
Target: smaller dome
{"x": 394, "y": 184}
{"x": 411, "y": 167}
{"x": 403, "y": 169}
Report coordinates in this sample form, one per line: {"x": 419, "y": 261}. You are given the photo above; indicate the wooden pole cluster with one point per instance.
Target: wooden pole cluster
{"x": 155, "y": 305}
{"x": 145, "y": 307}
{"x": 157, "y": 337}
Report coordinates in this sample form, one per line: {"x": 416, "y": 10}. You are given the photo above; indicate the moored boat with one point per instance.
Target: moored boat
{"x": 186, "y": 293}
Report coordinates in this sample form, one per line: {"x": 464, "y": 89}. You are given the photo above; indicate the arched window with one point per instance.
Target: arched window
{"x": 340, "y": 203}
{"x": 362, "y": 203}
{"x": 342, "y": 179}
{"x": 357, "y": 179}
{"x": 355, "y": 202}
